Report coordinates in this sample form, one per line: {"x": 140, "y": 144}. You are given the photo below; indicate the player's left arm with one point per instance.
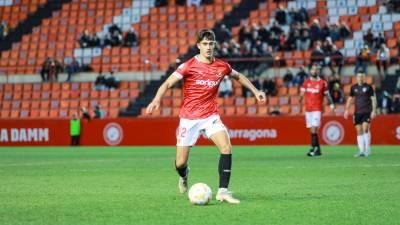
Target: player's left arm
{"x": 373, "y": 101}
{"x": 242, "y": 79}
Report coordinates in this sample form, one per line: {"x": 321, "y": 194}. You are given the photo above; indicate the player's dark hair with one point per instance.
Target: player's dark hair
{"x": 205, "y": 34}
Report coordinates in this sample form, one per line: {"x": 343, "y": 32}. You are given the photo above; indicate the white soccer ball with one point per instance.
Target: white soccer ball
{"x": 200, "y": 194}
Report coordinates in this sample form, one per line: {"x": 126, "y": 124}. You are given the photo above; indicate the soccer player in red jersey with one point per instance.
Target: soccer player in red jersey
{"x": 314, "y": 89}
{"x": 365, "y": 110}
{"x": 201, "y": 77}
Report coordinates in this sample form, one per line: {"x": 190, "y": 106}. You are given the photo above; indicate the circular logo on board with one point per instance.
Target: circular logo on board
{"x": 333, "y": 133}
{"x": 113, "y": 134}
{"x": 398, "y": 133}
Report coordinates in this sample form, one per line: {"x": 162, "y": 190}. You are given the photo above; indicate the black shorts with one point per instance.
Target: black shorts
{"x": 360, "y": 118}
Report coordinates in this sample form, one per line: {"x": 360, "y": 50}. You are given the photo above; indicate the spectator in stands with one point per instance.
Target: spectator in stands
{"x": 116, "y": 39}
{"x": 281, "y": 15}
{"x": 337, "y": 94}
{"x": 85, "y": 114}
{"x": 385, "y": 103}
{"x": 362, "y": 60}
{"x": 160, "y": 3}
{"x": 114, "y": 28}
{"x": 337, "y": 59}
{"x": 111, "y": 81}
{"x": 344, "y": 31}
{"x": 317, "y": 55}
{"x": 382, "y": 60}
{"x": 223, "y": 34}
{"x": 98, "y": 112}
{"x": 304, "y": 42}
{"x": 398, "y": 85}
{"x": 85, "y": 40}
{"x": 335, "y": 32}
{"x": 293, "y": 38}
{"x": 269, "y": 87}
{"x": 55, "y": 68}
{"x": 276, "y": 29}
{"x": 369, "y": 38}
{"x": 244, "y": 34}
{"x": 107, "y": 41}
{"x": 100, "y": 83}
{"x": 44, "y": 71}
{"x": 393, "y": 5}
{"x": 378, "y": 41}
{"x": 72, "y": 68}
{"x": 288, "y": 78}
{"x": 95, "y": 41}
{"x": 326, "y": 31}
{"x": 225, "y": 88}
{"x": 131, "y": 38}
{"x": 396, "y": 105}
{"x": 315, "y": 31}
{"x": 328, "y": 52}
{"x": 300, "y": 77}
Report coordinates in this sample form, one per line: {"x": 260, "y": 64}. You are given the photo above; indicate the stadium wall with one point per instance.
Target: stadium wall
{"x": 281, "y": 130}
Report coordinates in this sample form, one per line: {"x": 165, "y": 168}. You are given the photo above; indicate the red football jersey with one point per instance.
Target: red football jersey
{"x": 314, "y": 94}
{"x": 200, "y": 87}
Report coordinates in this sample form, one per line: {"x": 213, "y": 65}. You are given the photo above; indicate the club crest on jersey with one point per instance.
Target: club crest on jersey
{"x": 219, "y": 73}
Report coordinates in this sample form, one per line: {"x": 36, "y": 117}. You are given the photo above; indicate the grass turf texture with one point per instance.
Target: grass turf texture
{"x": 138, "y": 185}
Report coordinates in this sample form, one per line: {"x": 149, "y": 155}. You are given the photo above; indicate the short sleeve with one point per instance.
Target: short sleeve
{"x": 182, "y": 70}
{"x": 352, "y": 91}
{"x": 371, "y": 91}
{"x": 325, "y": 88}
{"x": 228, "y": 69}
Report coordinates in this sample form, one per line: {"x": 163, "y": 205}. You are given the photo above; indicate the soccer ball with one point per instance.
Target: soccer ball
{"x": 200, "y": 194}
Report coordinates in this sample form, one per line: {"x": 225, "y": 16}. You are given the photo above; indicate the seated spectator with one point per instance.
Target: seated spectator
{"x": 100, "y": 83}
{"x": 116, "y": 39}
{"x": 276, "y": 29}
{"x": 344, "y": 31}
{"x": 160, "y": 3}
{"x": 337, "y": 94}
{"x": 378, "y": 41}
{"x": 85, "y": 40}
{"x": 131, "y": 38}
{"x": 335, "y": 32}
{"x": 223, "y": 34}
{"x": 362, "y": 60}
{"x": 269, "y": 87}
{"x": 85, "y": 114}
{"x": 317, "y": 56}
{"x": 300, "y": 77}
{"x": 111, "y": 81}
{"x": 281, "y": 15}
{"x": 225, "y": 88}
{"x": 326, "y": 31}
{"x": 315, "y": 31}
{"x": 288, "y": 78}
{"x": 44, "y": 71}
{"x": 386, "y": 103}
{"x": 369, "y": 38}
{"x": 337, "y": 59}
{"x": 3, "y": 30}
{"x": 95, "y": 41}
{"x": 98, "y": 112}
{"x": 72, "y": 68}
{"x": 304, "y": 42}
{"x": 114, "y": 28}
{"x": 396, "y": 105}
{"x": 328, "y": 51}
{"x": 382, "y": 60}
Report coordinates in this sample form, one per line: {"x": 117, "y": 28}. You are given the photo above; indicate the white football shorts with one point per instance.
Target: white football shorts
{"x": 313, "y": 119}
{"x": 190, "y": 130}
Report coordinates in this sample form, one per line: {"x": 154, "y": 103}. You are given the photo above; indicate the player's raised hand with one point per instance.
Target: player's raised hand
{"x": 154, "y": 105}
{"x": 260, "y": 96}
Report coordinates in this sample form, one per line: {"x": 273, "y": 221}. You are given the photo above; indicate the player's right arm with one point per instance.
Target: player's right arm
{"x": 348, "y": 104}
{"x": 168, "y": 83}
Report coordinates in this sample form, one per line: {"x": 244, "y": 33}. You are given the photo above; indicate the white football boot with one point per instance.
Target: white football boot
{"x": 225, "y": 195}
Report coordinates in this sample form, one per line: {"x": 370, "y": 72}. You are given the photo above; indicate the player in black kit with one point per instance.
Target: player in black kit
{"x": 365, "y": 110}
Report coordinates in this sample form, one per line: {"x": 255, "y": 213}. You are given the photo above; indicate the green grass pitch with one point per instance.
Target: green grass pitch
{"x": 138, "y": 185}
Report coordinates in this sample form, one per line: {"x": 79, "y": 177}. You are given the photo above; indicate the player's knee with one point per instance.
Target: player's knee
{"x": 225, "y": 149}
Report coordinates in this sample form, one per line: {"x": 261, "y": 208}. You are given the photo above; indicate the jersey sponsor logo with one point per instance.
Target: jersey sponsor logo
{"x": 333, "y": 133}
{"x": 219, "y": 73}
{"x": 113, "y": 134}
{"x": 398, "y": 133}
{"x": 312, "y": 90}
{"x": 208, "y": 83}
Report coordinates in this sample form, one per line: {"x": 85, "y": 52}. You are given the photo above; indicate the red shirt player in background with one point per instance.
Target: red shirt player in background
{"x": 201, "y": 77}
{"x": 314, "y": 89}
